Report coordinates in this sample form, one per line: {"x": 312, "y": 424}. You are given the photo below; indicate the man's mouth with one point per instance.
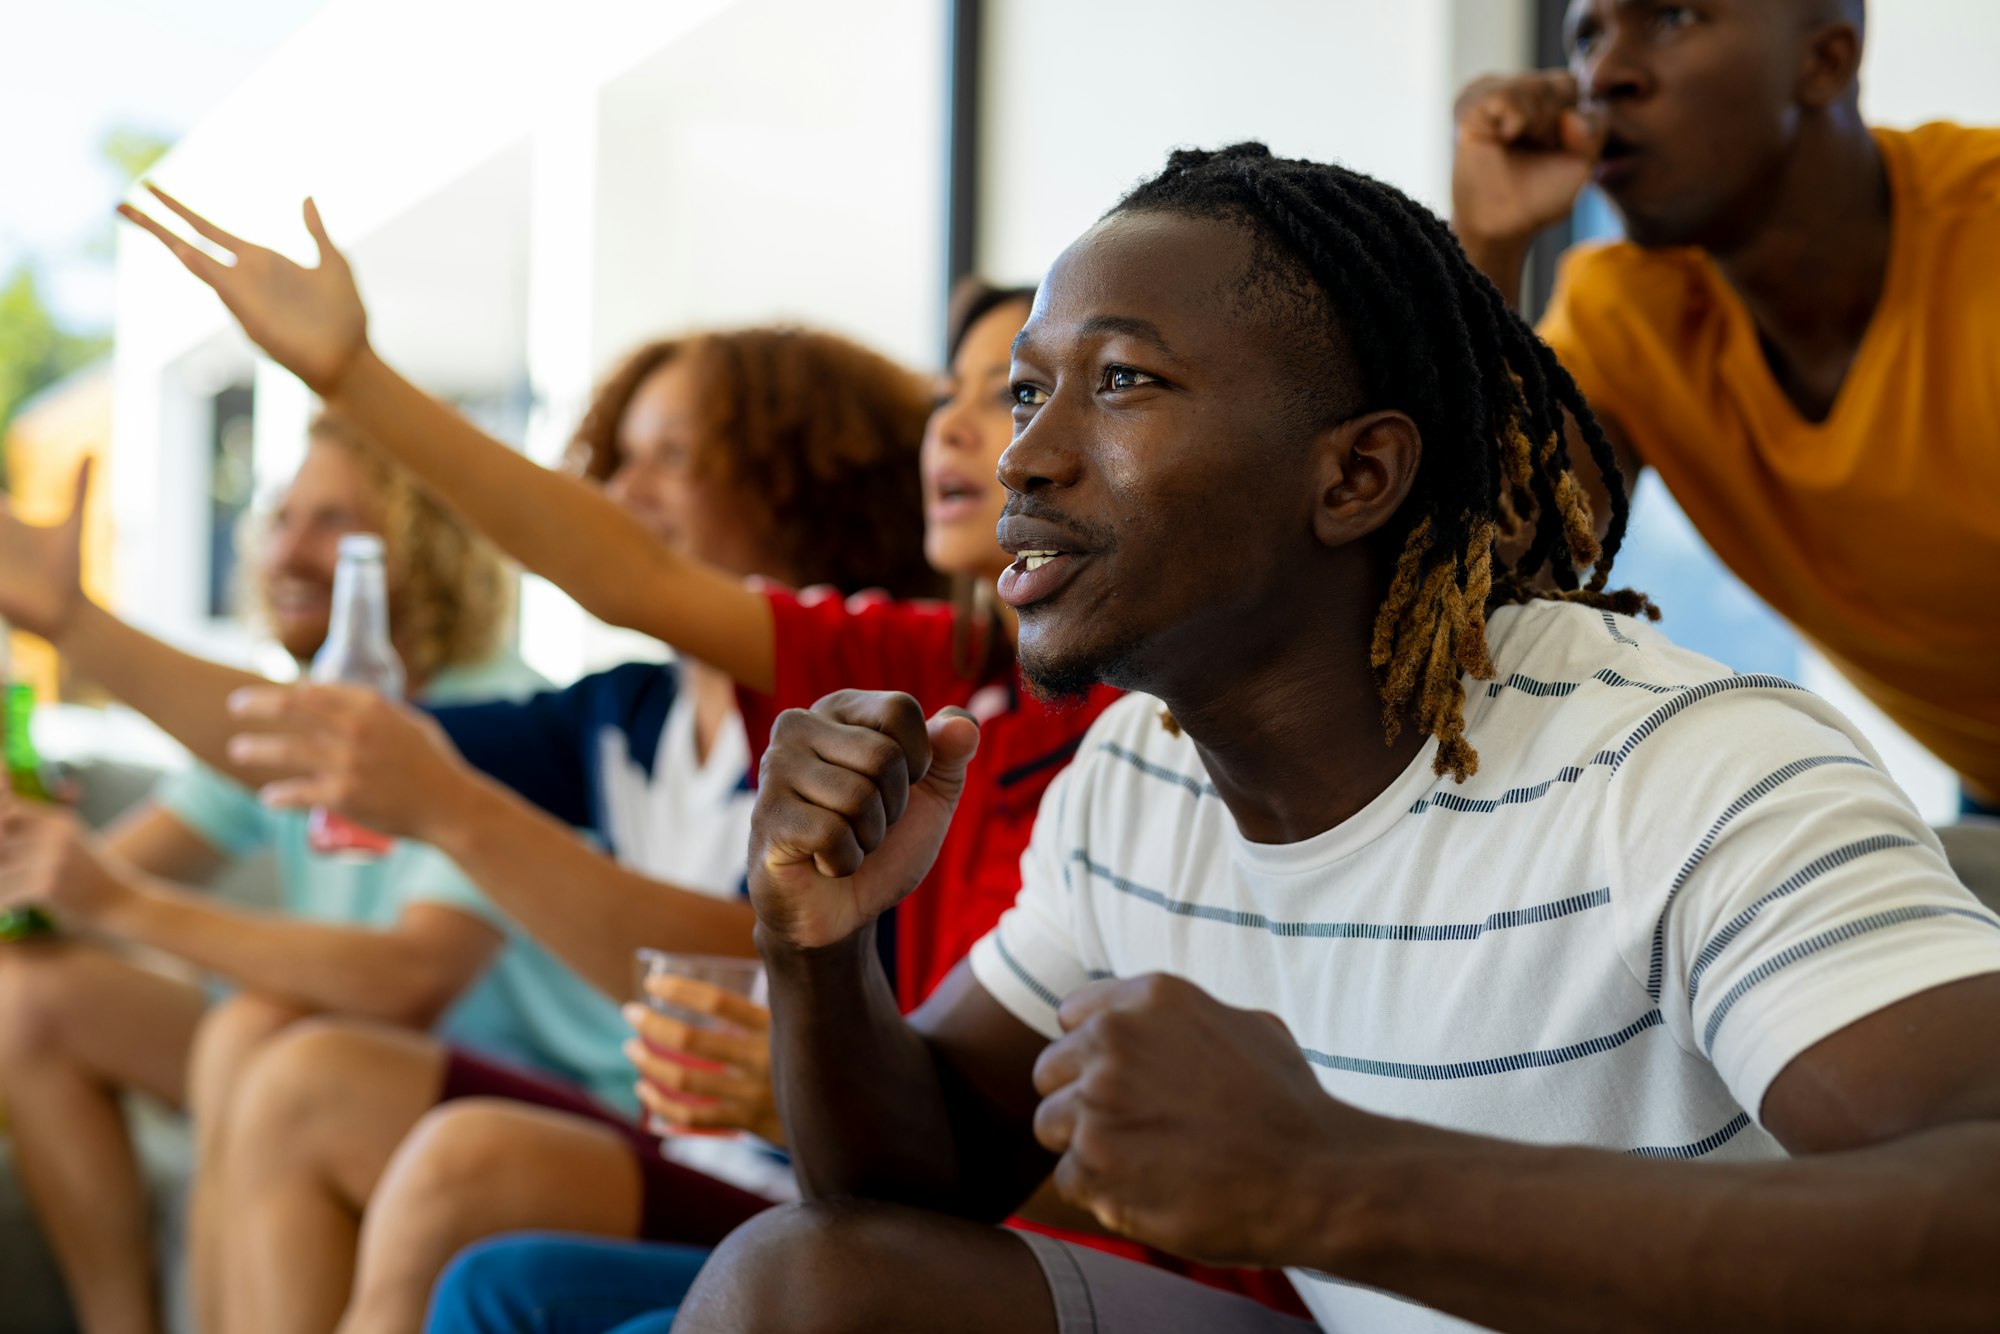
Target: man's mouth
{"x": 1617, "y": 161}
{"x": 1037, "y": 575}
{"x": 1048, "y": 553}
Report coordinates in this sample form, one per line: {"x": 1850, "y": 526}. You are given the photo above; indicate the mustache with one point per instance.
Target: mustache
{"x": 1095, "y": 537}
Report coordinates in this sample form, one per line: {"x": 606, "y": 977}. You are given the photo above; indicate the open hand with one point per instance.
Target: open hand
{"x": 705, "y": 1079}
{"x": 1525, "y": 149}
{"x": 47, "y": 861}
{"x": 41, "y": 566}
{"x": 852, "y": 803}
{"x": 310, "y": 321}
{"x": 1189, "y": 1125}
{"x": 377, "y": 761}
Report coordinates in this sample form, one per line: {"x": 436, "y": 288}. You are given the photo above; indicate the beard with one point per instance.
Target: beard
{"x": 1063, "y": 682}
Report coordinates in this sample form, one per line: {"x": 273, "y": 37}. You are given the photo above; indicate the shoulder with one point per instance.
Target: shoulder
{"x": 1617, "y": 694}
{"x": 1608, "y": 278}
{"x": 502, "y": 676}
{"x": 627, "y": 688}
{"x": 1947, "y": 166}
{"x": 824, "y": 611}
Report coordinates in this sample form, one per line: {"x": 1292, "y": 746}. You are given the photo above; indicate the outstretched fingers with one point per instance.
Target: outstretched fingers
{"x": 202, "y": 226}
{"x": 195, "y": 261}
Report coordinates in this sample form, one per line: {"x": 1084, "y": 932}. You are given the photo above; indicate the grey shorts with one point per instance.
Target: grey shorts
{"x": 1097, "y": 1293}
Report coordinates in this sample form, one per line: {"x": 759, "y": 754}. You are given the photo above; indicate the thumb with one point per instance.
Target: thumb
{"x": 81, "y": 492}
{"x": 328, "y": 254}
{"x": 1583, "y": 132}
{"x": 954, "y": 741}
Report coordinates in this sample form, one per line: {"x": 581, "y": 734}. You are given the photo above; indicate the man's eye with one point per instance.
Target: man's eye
{"x": 1124, "y": 377}
{"x": 1028, "y": 396}
{"x": 1672, "y": 18}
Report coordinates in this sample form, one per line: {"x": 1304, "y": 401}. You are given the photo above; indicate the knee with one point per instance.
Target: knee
{"x": 37, "y": 982}
{"x": 287, "y": 1088}
{"x": 453, "y": 1153}
{"x": 229, "y": 1035}
{"x": 823, "y": 1266}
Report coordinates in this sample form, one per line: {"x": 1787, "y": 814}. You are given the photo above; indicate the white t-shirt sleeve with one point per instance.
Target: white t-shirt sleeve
{"x": 1781, "y": 885}
{"x": 1030, "y": 961}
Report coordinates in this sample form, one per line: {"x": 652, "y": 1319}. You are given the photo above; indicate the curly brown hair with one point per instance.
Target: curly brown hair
{"x": 451, "y": 594}
{"x": 818, "y": 437}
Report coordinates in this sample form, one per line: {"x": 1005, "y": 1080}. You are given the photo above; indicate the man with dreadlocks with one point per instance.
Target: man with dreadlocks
{"x": 1798, "y": 332}
{"x": 1284, "y": 460}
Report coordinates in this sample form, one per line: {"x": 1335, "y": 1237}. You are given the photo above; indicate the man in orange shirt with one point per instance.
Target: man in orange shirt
{"x": 1801, "y": 333}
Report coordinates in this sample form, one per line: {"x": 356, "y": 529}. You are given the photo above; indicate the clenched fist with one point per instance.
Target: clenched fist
{"x": 1196, "y": 1127}
{"x": 1525, "y": 150}
{"x": 852, "y": 803}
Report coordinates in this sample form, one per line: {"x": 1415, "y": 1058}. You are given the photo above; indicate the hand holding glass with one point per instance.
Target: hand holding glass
{"x": 702, "y": 1048}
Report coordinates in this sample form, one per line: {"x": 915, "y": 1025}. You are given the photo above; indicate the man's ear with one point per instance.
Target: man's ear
{"x": 1829, "y": 64}
{"x": 1367, "y": 466}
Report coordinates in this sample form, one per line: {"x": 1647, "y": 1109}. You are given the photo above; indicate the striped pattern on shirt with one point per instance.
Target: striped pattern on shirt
{"x": 1665, "y": 882}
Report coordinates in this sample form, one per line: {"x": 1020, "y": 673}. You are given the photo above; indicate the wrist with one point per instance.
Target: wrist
{"x": 122, "y": 907}
{"x": 351, "y": 376}
{"x": 1359, "y": 1182}
{"x": 69, "y": 634}
{"x": 459, "y": 809}
{"x": 784, "y": 958}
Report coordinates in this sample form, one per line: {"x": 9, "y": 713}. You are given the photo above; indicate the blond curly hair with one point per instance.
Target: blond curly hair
{"x": 451, "y": 593}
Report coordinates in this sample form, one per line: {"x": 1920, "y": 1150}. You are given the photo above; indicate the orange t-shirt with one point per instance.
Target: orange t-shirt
{"x": 1876, "y": 531}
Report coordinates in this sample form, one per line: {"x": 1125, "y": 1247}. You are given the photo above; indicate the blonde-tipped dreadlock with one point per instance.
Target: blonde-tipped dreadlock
{"x": 1379, "y": 280}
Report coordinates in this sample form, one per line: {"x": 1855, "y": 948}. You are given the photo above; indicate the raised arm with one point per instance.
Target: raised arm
{"x": 41, "y": 591}
{"x": 391, "y": 768}
{"x": 932, "y": 1111}
{"x": 1524, "y": 152}
{"x": 311, "y": 321}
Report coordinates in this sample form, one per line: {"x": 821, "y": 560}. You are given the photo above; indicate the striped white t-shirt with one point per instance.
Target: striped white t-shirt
{"x": 1665, "y": 882}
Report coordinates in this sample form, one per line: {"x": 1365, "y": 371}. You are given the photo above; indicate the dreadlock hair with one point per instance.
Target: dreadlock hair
{"x": 1396, "y": 317}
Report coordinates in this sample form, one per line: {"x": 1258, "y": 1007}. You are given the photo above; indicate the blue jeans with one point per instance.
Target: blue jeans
{"x": 553, "y": 1283}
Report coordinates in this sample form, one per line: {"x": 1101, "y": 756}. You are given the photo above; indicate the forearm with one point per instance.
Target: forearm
{"x": 1900, "y": 1236}
{"x": 864, "y": 1106}
{"x": 187, "y": 696}
{"x": 322, "y": 966}
{"x": 585, "y": 908}
{"x": 622, "y": 574}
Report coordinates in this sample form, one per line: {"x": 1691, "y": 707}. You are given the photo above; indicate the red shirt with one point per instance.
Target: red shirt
{"x": 869, "y": 642}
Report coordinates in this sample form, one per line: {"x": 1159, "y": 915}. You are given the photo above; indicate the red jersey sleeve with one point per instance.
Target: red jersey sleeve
{"x": 825, "y": 642}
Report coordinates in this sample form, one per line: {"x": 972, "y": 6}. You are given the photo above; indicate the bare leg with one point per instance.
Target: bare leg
{"x": 78, "y": 1025}
{"x": 230, "y": 1036}
{"x": 475, "y": 1169}
{"x": 311, "y": 1128}
{"x": 831, "y": 1268}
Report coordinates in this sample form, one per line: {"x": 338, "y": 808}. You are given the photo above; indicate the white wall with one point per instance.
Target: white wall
{"x": 525, "y": 191}
{"x": 1082, "y": 100}
{"x": 1932, "y": 60}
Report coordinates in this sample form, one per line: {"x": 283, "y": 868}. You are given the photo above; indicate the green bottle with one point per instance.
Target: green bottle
{"x": 24, "y": 776}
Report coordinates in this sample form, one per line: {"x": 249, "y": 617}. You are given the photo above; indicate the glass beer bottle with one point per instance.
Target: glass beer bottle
{"x": 357, "y": 652}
